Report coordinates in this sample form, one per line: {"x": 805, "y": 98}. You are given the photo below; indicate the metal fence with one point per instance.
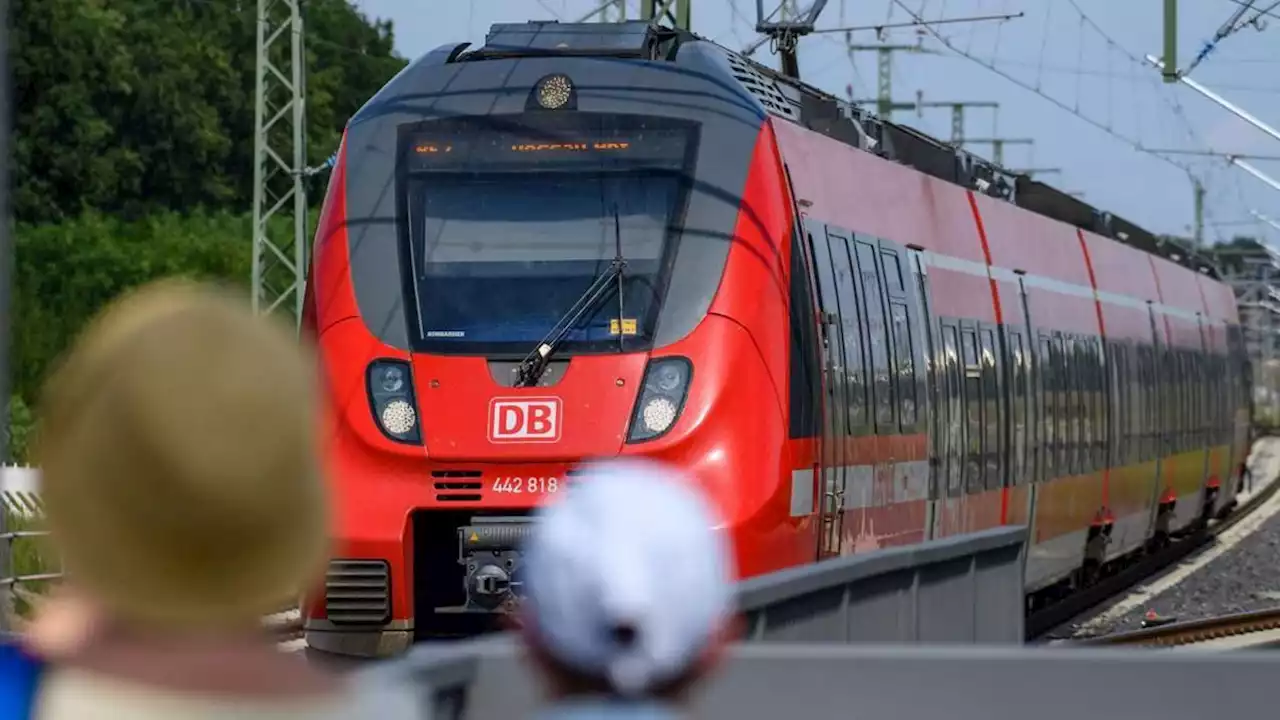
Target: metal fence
{"x": 20, "y": 530}
{"x": 966, "y": 589}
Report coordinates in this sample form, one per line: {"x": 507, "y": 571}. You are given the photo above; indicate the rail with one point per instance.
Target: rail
{"x": 1246, "y": 629}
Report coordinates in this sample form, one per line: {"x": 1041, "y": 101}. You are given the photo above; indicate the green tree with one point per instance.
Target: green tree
{"x": 1234, "y": 255}
{"x": 129, "y": 106}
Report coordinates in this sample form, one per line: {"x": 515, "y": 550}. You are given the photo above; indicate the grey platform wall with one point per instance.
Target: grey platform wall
{"x": 966, "y": 589}
{"x": 956, "y": 682}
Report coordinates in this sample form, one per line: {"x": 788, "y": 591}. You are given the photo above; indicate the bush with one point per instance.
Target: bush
{"x": 65, "y": 273}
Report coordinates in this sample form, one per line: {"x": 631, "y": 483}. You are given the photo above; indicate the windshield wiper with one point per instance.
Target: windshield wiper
{"x": 535, "y": 363}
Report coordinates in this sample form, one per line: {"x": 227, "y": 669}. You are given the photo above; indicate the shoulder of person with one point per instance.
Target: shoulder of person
{"x": 20, "y": 673}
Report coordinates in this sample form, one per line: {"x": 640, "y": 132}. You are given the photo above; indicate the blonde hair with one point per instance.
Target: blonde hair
{"x": 178, "y": 459}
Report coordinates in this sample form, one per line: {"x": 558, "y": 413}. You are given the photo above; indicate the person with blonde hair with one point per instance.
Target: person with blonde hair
{"x": 183, "y": 488}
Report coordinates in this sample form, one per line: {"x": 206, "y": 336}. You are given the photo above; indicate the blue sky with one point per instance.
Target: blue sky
{"x": 1076, "y": 53}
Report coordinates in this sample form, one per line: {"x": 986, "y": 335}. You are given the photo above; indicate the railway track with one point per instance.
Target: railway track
{"x": 1256, "y": 629}
{"x": 1041, "y": 622}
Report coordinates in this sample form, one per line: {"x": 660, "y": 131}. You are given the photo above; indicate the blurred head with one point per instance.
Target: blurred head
{"x": 629, "y": 588}
{"x": 178, "y": 460}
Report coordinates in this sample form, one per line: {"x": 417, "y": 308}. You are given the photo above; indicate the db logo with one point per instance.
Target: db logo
{"x": 524, "y": 419}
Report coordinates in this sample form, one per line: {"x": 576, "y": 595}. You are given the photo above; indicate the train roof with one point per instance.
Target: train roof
{"x": 819, "y": 111}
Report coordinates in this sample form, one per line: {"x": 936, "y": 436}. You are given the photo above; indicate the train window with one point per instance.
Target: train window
{"x": 1178, "y": 400}
{"x": 877, "y": 337}
{"x": 1217, "y": 383}
{"x": 1151, "y": 403}
{"x": 1193, "y": 401}
{"x": 1142, "y": 402}
{"x": 851, "y": 331}
{"x": 1197, "y": 369}
{"x": 1019, "y": 397}
{"x": 1129, "y": 451}
{"x": 953, "y": 412}
{"x": 805, "y": 386}
{"x": 1097, "y": 404}
{"x": 1090, "y": 430}
{"x": 991, "y": 412}
{"x": 1084, "y": 403}
{"x": 832, "y": 351}
{"x": 1178, "y": 396}
{"x": 1141, "y": 378}
{"x": 904, "y": 359}
{"x": 973, "y": 412}
{"x": 1117, "y": 393}
{"x": 1066, "y": 406}
{"x": 1034, "y": 408}
{"x": 1048, "y": 409}
{"x": 893, "y": 272}
{"x": 1128, "y": 400}
{"x": 1101, "y": 400}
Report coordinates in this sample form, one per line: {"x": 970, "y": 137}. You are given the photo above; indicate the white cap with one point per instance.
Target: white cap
{"x": 630, "y": 545}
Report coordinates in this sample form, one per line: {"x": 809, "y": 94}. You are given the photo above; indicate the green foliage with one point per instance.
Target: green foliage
{"x": 19, "y": 430}
{"x": 129, "y": 106}
{"x": 1233, "y": 256}
{"x": 65, "y": 273}
{"x": 133, "y": 151}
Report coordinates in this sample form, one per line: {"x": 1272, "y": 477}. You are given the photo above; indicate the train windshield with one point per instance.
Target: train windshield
{"x": 508, "y": 226}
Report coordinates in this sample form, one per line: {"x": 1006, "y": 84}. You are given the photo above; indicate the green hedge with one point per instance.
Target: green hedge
{"x": 65, "y": 273}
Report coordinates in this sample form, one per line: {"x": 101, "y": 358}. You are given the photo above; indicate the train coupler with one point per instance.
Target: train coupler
{"x": 490, "y": 550}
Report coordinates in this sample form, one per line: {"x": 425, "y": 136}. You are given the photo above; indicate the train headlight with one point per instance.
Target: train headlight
{"x": 658, "y": 414}
{"x": 392, "y": 379}
{"x": 662, "y": 396}
{"x": 554, "y": 91}
{"x": 398, "y": 417}
{"x": 392, "y": 401}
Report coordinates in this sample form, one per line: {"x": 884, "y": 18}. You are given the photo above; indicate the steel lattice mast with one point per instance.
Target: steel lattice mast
{"x": 280, "y": 157}
{"x": 672, "y": 13}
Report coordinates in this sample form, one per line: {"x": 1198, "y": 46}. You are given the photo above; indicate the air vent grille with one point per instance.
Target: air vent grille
{"x": 764, "y": 89}
{"x": 457, "y": 485}
{"x": 358, "y": 592}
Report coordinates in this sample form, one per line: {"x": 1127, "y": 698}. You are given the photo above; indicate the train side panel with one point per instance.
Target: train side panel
{"x": 1127, "y": 292}
{"x": 1046, "y": 288}
{"x": 1184, "y": 458}
{"x": 872, "y": 214}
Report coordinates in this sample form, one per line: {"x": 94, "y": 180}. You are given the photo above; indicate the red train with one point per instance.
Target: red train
{"x": 592, "y": 240}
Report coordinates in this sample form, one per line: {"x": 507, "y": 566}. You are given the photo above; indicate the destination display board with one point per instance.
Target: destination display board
{"x": 486, "y": 146}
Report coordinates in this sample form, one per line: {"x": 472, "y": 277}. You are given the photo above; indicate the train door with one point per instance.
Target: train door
{"x": 1023, "y": 444}
{"x": 1201, "y": 427}
{"x": 851, "y": 476}
{"x": 834, "y": 406}
{"x": 908, "y": 443}
{"x": 993, "y": 410}
{"x": 885, "y": 447}
{"x": 1156, "y": 439}
{"x": 929, "y": 380}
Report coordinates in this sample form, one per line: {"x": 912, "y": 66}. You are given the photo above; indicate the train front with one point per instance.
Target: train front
{"x": 518, "y": 268}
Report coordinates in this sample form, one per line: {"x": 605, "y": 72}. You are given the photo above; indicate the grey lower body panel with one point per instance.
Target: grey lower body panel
{"x": 379, "y": 641}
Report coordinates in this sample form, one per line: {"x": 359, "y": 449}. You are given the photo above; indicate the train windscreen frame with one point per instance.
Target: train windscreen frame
{"x": 505, "y": 221}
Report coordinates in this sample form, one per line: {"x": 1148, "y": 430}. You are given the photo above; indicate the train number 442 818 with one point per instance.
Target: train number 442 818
{"x": 520, "y": 485}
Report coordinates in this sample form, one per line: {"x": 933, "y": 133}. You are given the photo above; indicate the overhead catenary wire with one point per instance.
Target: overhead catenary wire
{"x": 1135, "y": 143}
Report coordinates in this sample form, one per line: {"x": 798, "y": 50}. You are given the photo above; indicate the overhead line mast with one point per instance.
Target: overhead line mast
{"x": 279, "y": 160}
